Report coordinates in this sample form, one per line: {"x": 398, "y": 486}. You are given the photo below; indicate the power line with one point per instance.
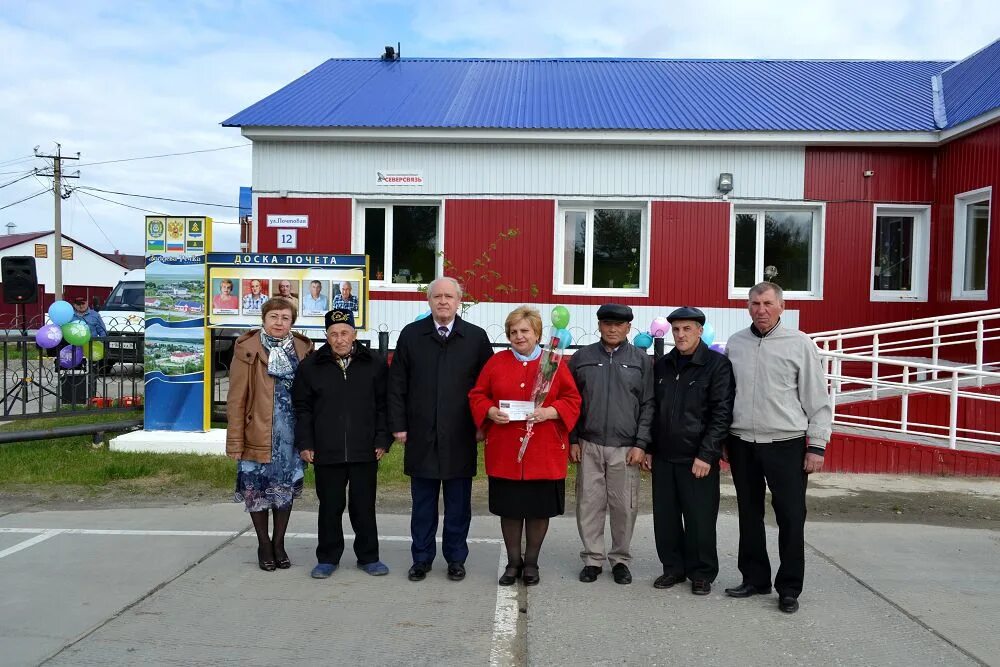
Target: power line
{"x": 180, "y": 201}
{"x": 25, "y": 199}
{"x": 112, "y": 243}
{"x": 15, "y": 160}
{"x": 112, "y": 201}
{"x": 28, "y": 175}
{"x": 153, "y": 157}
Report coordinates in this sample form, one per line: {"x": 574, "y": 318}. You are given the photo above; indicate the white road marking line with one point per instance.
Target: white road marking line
{"x": 504, "y": 620}
{"x": 31, "y": 541}
{"x": 210, "y": 533}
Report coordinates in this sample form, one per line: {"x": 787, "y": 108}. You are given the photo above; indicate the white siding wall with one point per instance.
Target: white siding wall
{"x": 528, "y": 169}
{"x": 86, "y": 267}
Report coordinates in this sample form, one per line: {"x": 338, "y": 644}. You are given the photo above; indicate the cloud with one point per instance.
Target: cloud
{"x": 113, "y": 80}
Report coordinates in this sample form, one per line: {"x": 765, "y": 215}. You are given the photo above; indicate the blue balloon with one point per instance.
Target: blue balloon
{"x": 565, "y": 338}
{"x": 708, "y": 334}
{"x": 643, "y": 341}
{"x": 422, "y": 316}
{"x": 60, "y": 313}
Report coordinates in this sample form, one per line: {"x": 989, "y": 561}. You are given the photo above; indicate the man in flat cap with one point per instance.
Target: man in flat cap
{"x": 609, "y": 442}
{"x": 694, "y": 407}
{"x": 342, "y": 428}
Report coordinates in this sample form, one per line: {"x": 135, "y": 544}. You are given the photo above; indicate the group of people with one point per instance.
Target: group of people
{"x": 762, "y": 406}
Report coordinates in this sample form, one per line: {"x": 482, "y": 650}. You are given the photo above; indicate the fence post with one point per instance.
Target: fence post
{"x": 979, "y": 351}
{"x": 904, "y": 414}
{"x": 838, "y": 365}
{"x": 658, "y": 348}
{"x": 935, "y": 344}
{"x": 383, "y": 344}
{"x": 875, "y": 367}
{"x": 953, "y": 412}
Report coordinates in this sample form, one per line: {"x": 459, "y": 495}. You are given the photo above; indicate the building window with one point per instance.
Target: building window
{"x": 403, "y": 242}
{"x": 971, "y": 246}
{"x": 601, "y": 247}
{"x": 67, "y": 252}
{"x": 41, "y": 251}
{"x": 900, "y": 253}
{"x": 783, "y": 245}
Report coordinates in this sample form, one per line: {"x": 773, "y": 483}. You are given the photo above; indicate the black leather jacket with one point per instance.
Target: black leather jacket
{"x": 694, "y": 406}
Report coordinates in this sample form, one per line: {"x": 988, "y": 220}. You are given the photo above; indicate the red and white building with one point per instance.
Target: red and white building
{"x": 865, "y": 188}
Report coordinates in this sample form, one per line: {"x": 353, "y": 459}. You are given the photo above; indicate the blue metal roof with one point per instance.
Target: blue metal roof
{"x": 971, "y": 87}
{"x": 606, "y": 94}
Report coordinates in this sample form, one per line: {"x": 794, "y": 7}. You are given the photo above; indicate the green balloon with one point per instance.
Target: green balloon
{"x": 96, "y": 350}
{"x": 560, "y": 317}
{"x": 76, "y": 333}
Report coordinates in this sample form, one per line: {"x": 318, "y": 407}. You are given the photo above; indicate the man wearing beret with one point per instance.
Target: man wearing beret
{"x": 609, "y": 442}
{"x": 341, "y": 428}
{"x": 781, "y": 423}
{"x": 694, "y": 407}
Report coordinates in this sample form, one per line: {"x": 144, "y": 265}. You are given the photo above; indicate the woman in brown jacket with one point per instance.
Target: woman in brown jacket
{"x": 261, "y": 433}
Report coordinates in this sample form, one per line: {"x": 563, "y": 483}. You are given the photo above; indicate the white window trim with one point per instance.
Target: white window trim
{"x": 921, "y": 252}
{"x": 958, "y": 291}
{"x": 358, "y": 239}
{"x": 644, "y": 206}
{"x": 819, "y": 246}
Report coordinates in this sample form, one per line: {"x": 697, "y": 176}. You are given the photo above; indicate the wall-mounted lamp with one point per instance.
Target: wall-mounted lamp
{"x": 725, "y": 183}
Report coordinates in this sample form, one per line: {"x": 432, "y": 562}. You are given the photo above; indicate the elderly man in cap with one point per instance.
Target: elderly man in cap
{"x": 694, "y": 407}
{"x": 782, "y": 420}
{"x": 89, "y": 316}
{"x": 609, "y": 442}
{"x": 342, "y": 429}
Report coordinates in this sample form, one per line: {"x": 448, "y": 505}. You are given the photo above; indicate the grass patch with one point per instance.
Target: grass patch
{"x": 76, "y": 418}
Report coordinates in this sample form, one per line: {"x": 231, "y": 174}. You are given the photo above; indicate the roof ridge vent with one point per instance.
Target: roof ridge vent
{"x": 937, "y": 95}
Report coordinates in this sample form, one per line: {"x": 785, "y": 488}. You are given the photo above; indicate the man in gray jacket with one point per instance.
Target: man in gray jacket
{"x": 781, "y": 423}
{"x": 609, "y": 442}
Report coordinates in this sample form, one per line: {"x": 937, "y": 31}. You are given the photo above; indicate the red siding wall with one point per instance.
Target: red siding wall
{"x": 329, "y": 228}
{"x": 849, "y": 453}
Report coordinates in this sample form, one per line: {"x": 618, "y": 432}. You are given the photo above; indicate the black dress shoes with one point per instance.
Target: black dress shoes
{"x": 788, "y": 604}
{"x": 418, "y": 572}
{"x": 745, "y": 590}
{"x": 668, "y": 580}
{"x": 701, "y": 587}
{"x": 589, "y": 574}
{"x": 529, "y": 575}
{"x": 456, "y": 571}
{"x": 621, "y": 574}
{"x": 511, "y": 573}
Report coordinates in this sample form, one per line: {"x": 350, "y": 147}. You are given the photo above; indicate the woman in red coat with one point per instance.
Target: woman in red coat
{"x": 524, "y": 495}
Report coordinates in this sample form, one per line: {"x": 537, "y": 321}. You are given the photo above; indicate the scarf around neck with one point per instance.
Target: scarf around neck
{"x": 279, "y": 354}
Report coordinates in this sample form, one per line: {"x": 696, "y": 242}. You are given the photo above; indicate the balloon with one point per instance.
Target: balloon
{"x": 659, "y": 327}
{"x": 718, "y": 347}
{"x": 708, "y": 334}
{"x": 565, "y": 338}
{"x": 422, "y": 316}
{"x": 70, "y": 356}
{"x": 96, "y": 350}
{"x": 60, "y": 312}
{"x": 560, "y": 317}
{"x": 643, "y": 341}
{"x": 48, "y": 336}
{"x": 76, "y": 333}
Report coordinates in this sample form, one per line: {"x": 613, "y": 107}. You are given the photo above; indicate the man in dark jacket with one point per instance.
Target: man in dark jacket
{"x": 695, "y": 389}
{"x": 615, "y": 380}
{"x": 340, "y": 407}
{"x": 436, "y": 364}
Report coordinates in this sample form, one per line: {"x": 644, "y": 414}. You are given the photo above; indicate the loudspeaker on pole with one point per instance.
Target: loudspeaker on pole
{"x": 20, "y": 282}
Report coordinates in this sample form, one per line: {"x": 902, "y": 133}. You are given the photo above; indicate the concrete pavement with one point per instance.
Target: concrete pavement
{"x": 180, "y": 585}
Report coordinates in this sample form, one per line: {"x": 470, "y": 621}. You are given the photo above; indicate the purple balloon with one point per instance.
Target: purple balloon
{"x": 718, "y": 347}
{"x": 48, "y": 336}
{"x": 70, "y": 356}
{"x": 659, "y": 327}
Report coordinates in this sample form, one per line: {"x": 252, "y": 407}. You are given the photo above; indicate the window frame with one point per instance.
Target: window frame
{"x": 562, "y": 206}
{"x": 921, "y": 214}
{"x": 962, "y": 202}
{"x": 358, "y": 239}
{"x": 818, "y": 209}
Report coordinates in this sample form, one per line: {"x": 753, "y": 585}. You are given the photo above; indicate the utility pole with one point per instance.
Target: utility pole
{"x": 57, "y": 175}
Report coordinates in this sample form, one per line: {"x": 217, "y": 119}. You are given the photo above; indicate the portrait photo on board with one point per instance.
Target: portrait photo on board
{"x": 225, "y": 297}
{"x": 345, "y": 294}
{"x": 287, "y": 289}
{"x": 315, "y": 297}
{"x": 254, "y": 295}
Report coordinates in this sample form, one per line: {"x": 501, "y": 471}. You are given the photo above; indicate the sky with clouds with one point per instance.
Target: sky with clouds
{"x": 118, "y": 80}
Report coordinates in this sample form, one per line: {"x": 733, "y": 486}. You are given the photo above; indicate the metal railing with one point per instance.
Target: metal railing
{"x": 945, "y": 356}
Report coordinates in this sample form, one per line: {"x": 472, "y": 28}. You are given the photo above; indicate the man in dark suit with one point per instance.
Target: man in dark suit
{"x": 436, "y": 363}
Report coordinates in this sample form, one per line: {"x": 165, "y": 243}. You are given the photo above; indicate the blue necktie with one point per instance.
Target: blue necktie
{"x": 443, "y": 331}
